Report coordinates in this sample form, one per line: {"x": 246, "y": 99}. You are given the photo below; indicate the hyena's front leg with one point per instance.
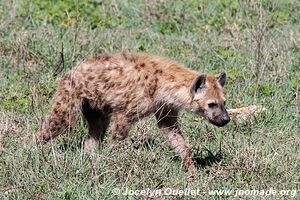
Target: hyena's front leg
{"x": 167, "y": 120}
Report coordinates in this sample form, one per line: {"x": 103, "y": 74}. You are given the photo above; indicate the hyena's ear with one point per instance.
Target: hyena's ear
{"x": 198, "y": 84}
{"x": 221, "y": 78}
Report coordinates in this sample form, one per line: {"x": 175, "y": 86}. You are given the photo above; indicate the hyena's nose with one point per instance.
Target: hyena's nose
{"x": 226, "y": 119}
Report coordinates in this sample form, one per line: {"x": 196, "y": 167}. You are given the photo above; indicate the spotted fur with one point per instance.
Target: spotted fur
{"x": 123, "y": 88}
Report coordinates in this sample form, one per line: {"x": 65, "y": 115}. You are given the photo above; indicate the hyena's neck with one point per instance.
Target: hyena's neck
{"x": 176, "y": 93}
{"x": 179, "y": 99}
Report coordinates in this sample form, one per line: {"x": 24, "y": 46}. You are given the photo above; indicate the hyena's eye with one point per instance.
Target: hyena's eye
{"x": 212, "y": 105}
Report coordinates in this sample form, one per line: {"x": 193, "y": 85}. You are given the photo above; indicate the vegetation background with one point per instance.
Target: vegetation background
{"x": 256, "y": 42}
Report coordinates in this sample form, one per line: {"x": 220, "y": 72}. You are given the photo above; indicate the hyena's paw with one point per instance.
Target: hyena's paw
{"x": 190, "y": 167}
{"x": 38, "y": 138}
{"x": 191, "y": 171}
{"x": 90, "y": 145}
{"x": 119, "y": 137}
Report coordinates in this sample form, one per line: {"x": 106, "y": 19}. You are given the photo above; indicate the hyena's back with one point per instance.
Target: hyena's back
{"x": 128, "y": 82}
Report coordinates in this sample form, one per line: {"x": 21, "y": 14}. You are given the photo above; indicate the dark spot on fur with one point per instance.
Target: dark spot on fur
{"x": 125, "y": 56}
{"x": 121, "y": 71}
{"x": 127, "y": 95}
{"x": 106, "y": 80}
{"x": 132, "y": 58}
{"x": 66, "y": 77}
{"x": 177, "y": 87}
{"x": 90, "y": 78}
{"x": 66, "y": 92}
{"x": 146, "y": 77}
{"x": 64, "y": 113}
{"x": 158, "y": 71}
{"x": 53, "y": 129}
{"x": 79, "y": 87}
{"x": 152, "y": 88}
{"x": 154, "y": 64}
{"x": 72, "y": 82}
{"x": 108, "y": 86}
{"x": 106, "y": 57}
{"x": 79, "y": 94}
{"x": 63, "y": 99}
{"x": 172, "y": 77}
{"x": 88, "y": 93}
{"x": 143, "y": 65}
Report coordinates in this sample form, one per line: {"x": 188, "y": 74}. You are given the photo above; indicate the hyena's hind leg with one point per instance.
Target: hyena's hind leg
{"x": 64, "y": 112}
{"x": 98, "y": 122}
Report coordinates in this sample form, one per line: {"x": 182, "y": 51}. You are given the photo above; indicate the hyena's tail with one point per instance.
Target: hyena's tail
{"x": 66, "y": 106}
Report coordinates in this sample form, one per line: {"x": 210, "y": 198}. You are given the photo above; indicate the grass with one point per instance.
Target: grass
{"x": 256, "y": 43}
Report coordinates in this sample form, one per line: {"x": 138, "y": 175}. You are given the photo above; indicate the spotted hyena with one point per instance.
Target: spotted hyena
{"x": 125, "y": 87}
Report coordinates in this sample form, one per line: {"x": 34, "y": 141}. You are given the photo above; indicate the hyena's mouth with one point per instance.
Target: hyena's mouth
{"x": 219, "y": 123}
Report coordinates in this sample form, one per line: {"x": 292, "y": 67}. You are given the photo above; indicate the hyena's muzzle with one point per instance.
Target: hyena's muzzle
{"x": 220, "y": 117}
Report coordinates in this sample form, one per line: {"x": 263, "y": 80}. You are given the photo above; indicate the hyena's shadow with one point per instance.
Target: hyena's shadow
{"x": 207, "y": 160}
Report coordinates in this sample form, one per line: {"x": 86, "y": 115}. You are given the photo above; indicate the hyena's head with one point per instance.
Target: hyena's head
{"x": 208, "y": 98}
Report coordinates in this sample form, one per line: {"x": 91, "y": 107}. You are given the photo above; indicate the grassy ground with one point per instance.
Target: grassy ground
{"x": 256, "y": 43}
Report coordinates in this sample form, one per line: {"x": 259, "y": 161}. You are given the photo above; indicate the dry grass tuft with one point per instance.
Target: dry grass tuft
{"x": 244, "y": 112}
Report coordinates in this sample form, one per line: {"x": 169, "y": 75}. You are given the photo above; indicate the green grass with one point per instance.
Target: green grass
{"x": 260, "y": 153}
